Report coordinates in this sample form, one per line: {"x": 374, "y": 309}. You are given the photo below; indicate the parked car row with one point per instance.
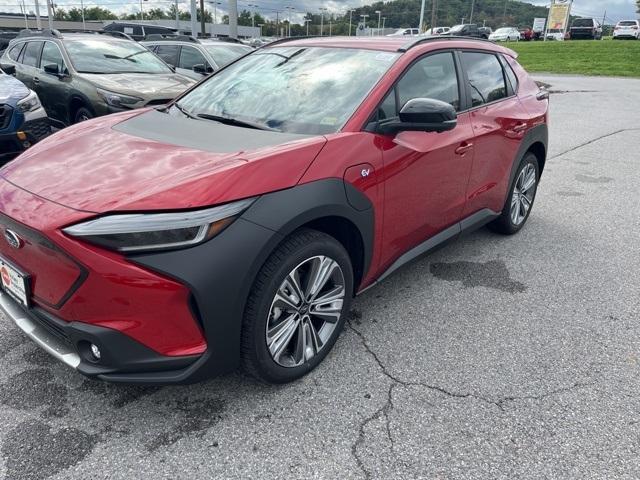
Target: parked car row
{"x": 78, "y": 76}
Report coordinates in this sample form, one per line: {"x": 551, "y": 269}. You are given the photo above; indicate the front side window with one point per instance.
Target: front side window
{"x": 434, "y": 77}
{"x": 190, "y": 57}
{"x": 31, "y": 54}
{"x": 113, "y": 56}
{"x": 485, "y": 77}
{"x": 308, "y": 90}
{"x": 51, "y": 56}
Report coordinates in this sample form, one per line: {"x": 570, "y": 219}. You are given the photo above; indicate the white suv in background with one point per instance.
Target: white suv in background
{"x": 627, "y": 29}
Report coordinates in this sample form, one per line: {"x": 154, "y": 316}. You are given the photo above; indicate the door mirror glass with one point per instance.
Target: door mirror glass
{"x": 200, "y": 68}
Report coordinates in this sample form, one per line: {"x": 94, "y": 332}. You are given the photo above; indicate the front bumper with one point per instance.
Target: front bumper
{"x": 36, "y": 128}
{"x": 122, "y": 359}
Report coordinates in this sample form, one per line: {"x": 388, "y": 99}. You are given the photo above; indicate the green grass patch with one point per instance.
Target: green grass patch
{"x": 618, "y": 58}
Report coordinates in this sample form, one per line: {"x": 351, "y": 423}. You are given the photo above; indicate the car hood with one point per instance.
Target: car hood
{"x": 149, "y": 160}
{"x": 11, "y": 89}
{"x": 147, "y": 85}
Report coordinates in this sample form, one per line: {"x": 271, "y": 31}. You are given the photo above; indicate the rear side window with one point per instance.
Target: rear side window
{"x": 168, "y": 53}
{"x": 434, "y": 77}
{"x": 31, "y": 54}
{"x": 485, "y": 77}
{"x": 14, "y": 53}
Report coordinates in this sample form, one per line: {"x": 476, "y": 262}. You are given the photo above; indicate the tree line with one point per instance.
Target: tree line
{"x": 397, "y": 14}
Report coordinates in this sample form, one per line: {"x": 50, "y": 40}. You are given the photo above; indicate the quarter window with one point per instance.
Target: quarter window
{"x": 14, "y": 53}
{"x": 32, "y": 54}
{"x": 485, "y": 77}
{"x": 434, "y": 77}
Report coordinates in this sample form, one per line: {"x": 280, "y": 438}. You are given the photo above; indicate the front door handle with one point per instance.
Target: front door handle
{"x": 519, "y": 127}
{"x": 36, "y": 80}
{"x": 463, "y": 148}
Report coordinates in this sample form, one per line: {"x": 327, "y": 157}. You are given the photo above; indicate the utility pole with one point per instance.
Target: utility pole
{"x": 141, "y": 11}
{"x": 194, "y": 18}
{"x": 421, "y": 24}
{"x": 38, "y": 21}
{"x": 383, "y": 19}
{"x": 202, "y": 23}
{"x": 364, "y": 20}
{"x": 604, "y": 16}
{"x": 433, "y": 15}
{"x": 291, "y": 9}
{"x": 473, "y": 2}
{"x": 50, "y": 14}
{"x": 233, "y": 18}
{"x": 379, "y": 19}
{"x": 462, "y": 21}
{"x": 351, "y": 10}
{"x": 177, "y": 16}
{"x": 307, "y": 21}
{"x": 322, "y": 10}
{"x": 23, "y": 9}
{"x": 84, "y": 26}
{"x": 504, "y": 13}
{"x": 277, "y": 23}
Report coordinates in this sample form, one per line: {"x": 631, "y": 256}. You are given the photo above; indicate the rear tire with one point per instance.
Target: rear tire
{"x": 297, "y": 307}
{"x": 520, "y": 197}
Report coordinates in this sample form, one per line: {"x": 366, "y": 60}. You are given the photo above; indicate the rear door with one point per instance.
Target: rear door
{"x": 499, "y": 123}
{"x": 29, "y": 60}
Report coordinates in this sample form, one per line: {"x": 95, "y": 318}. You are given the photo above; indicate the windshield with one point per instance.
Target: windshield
{"x": 108, "y": 56}
{"x": 223, "y": 54}
{"x": 503, "y": 30}
{"x": 456, "y": 28}
{"x": 307, "y": 90}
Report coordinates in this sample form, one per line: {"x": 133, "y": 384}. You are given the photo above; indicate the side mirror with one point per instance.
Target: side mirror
{"x": 202, "y": 69}
{"x": 8, "y": 68}
{"x": 52, "y": 69}
{"x": 423, "y": 115}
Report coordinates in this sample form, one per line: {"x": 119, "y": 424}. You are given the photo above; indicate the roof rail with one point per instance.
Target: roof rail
{"x": 39, "y": 33}
{"x": 165, "y": 37}
{"x": 419, "y": 41}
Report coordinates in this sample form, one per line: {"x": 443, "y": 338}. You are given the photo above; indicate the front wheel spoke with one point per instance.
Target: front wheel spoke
{"x": 529, "y": 180}
{"x": 283, "y": 336}
{"x": 283, "y": 302}
{"x": 291, "y": 288}
{"x": 323, "y": 268}
{"x": 332, "y": 295}
{"x": 315, "y": 342}
{"x": 515, "y": 210}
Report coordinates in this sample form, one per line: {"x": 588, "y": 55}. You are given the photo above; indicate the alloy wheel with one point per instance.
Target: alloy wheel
{"x": 524, "y": 192}
{"x": 305, "y": 311}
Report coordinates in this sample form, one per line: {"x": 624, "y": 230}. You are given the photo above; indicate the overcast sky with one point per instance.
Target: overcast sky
{"x": 616, "y": 9}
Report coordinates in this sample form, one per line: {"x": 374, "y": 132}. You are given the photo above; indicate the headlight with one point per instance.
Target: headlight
{"x": 29, "y": 103}
{"x": 118, "y": 100}
{"x": 158, "y": 231}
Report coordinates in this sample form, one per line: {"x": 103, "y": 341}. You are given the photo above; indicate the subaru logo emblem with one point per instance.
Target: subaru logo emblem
{"x": 13, "y": 239}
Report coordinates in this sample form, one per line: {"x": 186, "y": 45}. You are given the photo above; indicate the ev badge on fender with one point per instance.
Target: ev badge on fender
{"x": 365, "y": 172}
{"x": 13, "y": 239}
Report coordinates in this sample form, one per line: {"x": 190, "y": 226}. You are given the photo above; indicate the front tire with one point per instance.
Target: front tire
{"x": 520, "y": 199}
{"x": 82, "y": 114}
{"x": 297, "y": 307}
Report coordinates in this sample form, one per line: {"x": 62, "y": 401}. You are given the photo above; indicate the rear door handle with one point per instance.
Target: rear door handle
{"x": 463, "y": 148}
{"x": 36, "y": 80}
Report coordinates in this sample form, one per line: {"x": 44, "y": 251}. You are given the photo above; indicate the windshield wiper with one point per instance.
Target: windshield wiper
{"x": 233, "y": 121}
{"x": 184, "y": 111}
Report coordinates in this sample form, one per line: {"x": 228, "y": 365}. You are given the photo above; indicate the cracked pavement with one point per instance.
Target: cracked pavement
{"x": 495, "y": 357}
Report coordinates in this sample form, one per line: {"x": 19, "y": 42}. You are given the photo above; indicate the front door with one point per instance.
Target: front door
{"x": 425, "y": 173}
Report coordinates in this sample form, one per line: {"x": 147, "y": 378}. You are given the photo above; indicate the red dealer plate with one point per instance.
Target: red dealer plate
{"x": 14, "y": 282}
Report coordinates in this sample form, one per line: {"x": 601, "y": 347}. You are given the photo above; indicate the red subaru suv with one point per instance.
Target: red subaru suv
{"x": 233, "y": 226}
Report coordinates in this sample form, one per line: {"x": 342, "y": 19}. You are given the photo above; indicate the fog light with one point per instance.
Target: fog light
{"x": 95, "y": 351}
{"x": 22, "y": 136}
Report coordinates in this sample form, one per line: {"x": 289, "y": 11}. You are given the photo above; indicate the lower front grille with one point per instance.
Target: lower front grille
{"x": 38, "y": 128}
{"x": 6, "y": 112}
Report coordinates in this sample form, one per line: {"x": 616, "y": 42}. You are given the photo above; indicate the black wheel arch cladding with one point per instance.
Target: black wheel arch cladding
{"x": 221, "y": 271}
{"x": 537, "y": 135}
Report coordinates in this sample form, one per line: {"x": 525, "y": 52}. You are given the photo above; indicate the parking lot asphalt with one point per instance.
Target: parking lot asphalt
{"x": 495, "y": 357}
